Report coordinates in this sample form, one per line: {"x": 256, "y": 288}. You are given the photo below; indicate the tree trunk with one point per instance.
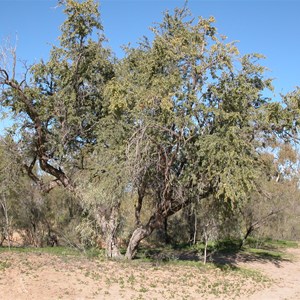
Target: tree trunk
{"x": 109, "y": 222}
{"x": 7, "y": 223}
{"x": 156, "y": 221}
{"x": 112, "y": 249}
{"x": 250, "y": 229}
{"x": 137, "y": 236}
{"x": 166, "y": 209}
{"x": 167, "y": 237}
{"x": 205, "y": 245}
{"x": 162, "y": 232}
{"x": 195, "y": 230}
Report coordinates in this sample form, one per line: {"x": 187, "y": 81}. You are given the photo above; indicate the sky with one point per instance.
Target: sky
{"x": 270, "y": 27}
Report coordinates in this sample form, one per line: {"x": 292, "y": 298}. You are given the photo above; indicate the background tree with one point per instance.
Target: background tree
{"x": 278, "y": 194}
{"x": 10, "y": 189}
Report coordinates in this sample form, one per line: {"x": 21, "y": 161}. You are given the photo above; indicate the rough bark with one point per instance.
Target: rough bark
{"x": 109, "y": 222}
{"x": 137, "y": 236}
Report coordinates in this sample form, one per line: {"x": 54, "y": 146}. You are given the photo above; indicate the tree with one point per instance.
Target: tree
{"x": 179, "y": 120}
{"x": 278, "y": 192}
{"x": 10, "y": 174}
{"x": 59, "y": 103}
{"x": 200, "y": 118}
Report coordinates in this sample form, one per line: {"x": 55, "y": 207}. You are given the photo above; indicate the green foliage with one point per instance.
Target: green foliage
{"x": 181, "y": 121}
{"x": 82, "y": 18}
{"x": 70, "y": 85}
{"x": 193, "y": 108}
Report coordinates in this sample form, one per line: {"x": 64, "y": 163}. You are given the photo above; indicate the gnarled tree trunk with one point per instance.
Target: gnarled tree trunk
{"x": 167, "y": 208}
{"x": 155, "y": 221}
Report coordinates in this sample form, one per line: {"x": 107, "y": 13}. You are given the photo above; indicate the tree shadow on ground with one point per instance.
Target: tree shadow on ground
{"x": 168, "y": 255}
{"x": 224, "y": 256}
{"x": 232, "y": 253}
{"x": 232, "y": 259}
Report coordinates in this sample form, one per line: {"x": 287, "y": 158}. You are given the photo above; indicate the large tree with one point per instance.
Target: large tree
{"x": 201, "y": 118}
{"x": 58, "y": 104}
{"x": 180, "y": 119}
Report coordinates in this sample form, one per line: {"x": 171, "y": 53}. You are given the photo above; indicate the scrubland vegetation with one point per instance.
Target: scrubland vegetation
{"x": 175, "y": 149}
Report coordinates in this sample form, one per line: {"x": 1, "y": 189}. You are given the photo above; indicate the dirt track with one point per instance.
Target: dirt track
{"x": 38, "y": 276}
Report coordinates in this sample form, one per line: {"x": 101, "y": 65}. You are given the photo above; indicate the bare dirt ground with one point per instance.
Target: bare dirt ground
{"x": 41, "y": 276}
{"x": 285, "y": 275}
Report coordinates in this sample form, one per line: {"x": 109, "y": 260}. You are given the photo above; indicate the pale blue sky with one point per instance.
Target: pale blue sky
{"x": 268, "y": 27}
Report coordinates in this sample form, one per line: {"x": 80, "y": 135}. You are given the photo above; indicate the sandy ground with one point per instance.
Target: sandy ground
{"x": 38, "y": 276}
{"x": 285, "y": 275}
